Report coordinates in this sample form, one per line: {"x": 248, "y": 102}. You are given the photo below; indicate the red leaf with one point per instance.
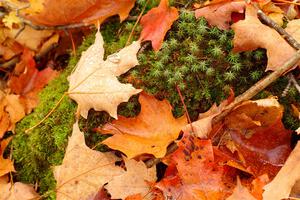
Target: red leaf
{"x": 157, "y": 22}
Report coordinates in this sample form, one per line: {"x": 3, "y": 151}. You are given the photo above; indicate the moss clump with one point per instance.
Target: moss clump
{"x": 36, "y": 152}
{"x": 198, "y": 60}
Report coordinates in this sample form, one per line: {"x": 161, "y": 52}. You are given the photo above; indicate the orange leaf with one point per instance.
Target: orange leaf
{"x": 6, "y": 165}
{"x": 148, "y": 133}
{"x": 64, "y": 12}
{"x": 220, "y": 14}
{"x": 193, "y": 174}
{"x": 157, "y": 22}
{"x": 251, "y": 34}
{"x": 259, "y": 136}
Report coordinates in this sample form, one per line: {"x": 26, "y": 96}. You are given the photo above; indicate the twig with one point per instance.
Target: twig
{"x": 294, "y": 81}
{"x": 259, "y": 86}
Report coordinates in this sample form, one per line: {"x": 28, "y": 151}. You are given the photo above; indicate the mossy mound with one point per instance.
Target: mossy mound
{"x": 195, "y": 58}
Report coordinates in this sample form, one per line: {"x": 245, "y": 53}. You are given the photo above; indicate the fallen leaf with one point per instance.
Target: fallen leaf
{"x": 148, "y": 133}
{"x": 251, "y": 34}
{"x": 274, "y": 12}
{"x": 6, "y": 165}
{"x": 16, "y": 191}
{"x": 83, "y": 170}
{"x": 132, "y": 181}
{"x": 220, "y": 14}
{"x": 11, "y": 19}
{"x": 192, "y": 172}
{"x": 281, "y": 186}
{"x": 157, "y": 22}
{"x": 64, "y": 12}
{"x": 256, "y": 129}
{"x": 293, "y": 29}
{"x": 102, "y": 195}
{"x": 94, "y": 84}
{"x": 240, "y": 192}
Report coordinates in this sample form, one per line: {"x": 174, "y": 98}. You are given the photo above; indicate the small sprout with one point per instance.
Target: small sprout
{"x": 158, "y": 65}
{"x": 194, "y": 47}
{"x": 212, "y": 43}
{"x": 184, "y": 69}
{"x": 155, "y": 72}
{"x": 164, "y": 58}
{"x": 236, "y": 67}
{"x": 202, "y": 21}
{"x": 165, "y": 45}
{"x": 199, "y": 38}
{"x": 190, "y": 58}
{"x": 201, "y": 29}
{"x": 178, "y": 76}
{"x": 180, "y": 33}
{"x": 195, "y": 68}
{"x": 215, "y": 32}
{"x": 216, "y": 52}
{"x": 259, "y": 55}
{"x": 223, "y": 38}
{"x": 167, "y": 73}
{"x": 173, "y": 43}
{"x": 248, "y": 54}
{"x": 255, "y": 75}
{"x": 210, "y": 71}
{"x": 182, "y": 26}
{"x": 181, "y": 86}
{"x": 229, "y": 76}
{"x": 134, "y": 73}
{"x": 233, "y": 58}
{"x": 130, "y": 106}
{"x": 187, "y": 16}
{"x": 142, "y": 58}
{"x": 203, "y": 65}
{"x": 171, "y": 81}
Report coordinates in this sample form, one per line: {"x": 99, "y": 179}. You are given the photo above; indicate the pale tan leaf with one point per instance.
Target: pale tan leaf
{"x": 17, "y": 191}
{"x": 240, "y": 192}
{"x": 132, "y": 181}
{"x": 281, "y": 186}
{"x": 94, "y": 84}
{"x": 83, "y": 170}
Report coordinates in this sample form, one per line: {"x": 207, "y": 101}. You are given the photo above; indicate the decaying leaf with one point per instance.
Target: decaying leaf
{"x": 192, "y": 172}
{"x": 148, "y": 133}
{"x": 220, "y": 14}
{"x": 256, "y": 129}
{"x": 83, "y": 170}
{"x": 16, "y": 191}
{"x": 157, "y": 22}
{"x": 133, "y": 181}
{"x": 94, "y": 84}
{"x": 281, "y": 186}
{"x": 6, "y": 165}
{"x": 251, "y": 34}
{"x": 63, "y": 12}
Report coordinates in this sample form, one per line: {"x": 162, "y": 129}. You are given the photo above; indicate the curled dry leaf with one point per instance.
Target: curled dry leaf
{"x": 83, "y": 170}
{"x": 94, "y": 84}
{"x": 64, "y": 12}
{"x": 220, "y": 14}
{"x": 16, "y": 191}
{"x": 148, "y": 133}
{"x": 259, "y": 136}
{"x": 157, "y": 22}
{"x": 135, "y": 180}
{"x": 6, "y": 165}
{"x": 251, "y": 34}
{"x": 281, "y": 186}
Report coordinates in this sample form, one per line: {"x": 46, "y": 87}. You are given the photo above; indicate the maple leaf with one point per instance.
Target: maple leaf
{"x": 259, "y": 136}
{"x": 6, "y": 165}
{"x": 240, "y": 192}
{"x": 192, "y": 172}
{"x": 133, "y": 181}
{"x": 220, "y": 14}
{"x": 11, "y": 19}
{"x": 83, "y": 170}
{"x": 63, "y": 12}
{"x": 94, "y": 84}
{"x": 17, "y": 191}
{"x": 251, "y": 34}
{"x": 31, "y": 81}
{"x": 157, "y": 22}
{"x": 281, "y": 186}
{"x": 148, "y": 133}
